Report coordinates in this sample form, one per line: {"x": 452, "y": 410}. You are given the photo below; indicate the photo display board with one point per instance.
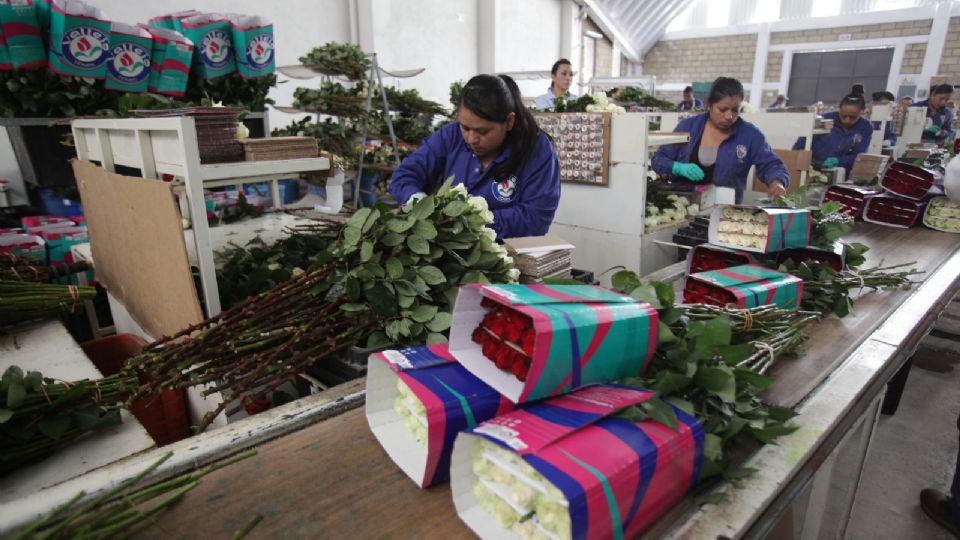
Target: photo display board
{"x": 582, "y": 142}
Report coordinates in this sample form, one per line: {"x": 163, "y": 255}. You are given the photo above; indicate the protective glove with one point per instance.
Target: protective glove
{"x": 416, "y": 197}
{"x": 691, "y": 171}
{"x": 830, "y": 162}
{"x": 932, "y": 129}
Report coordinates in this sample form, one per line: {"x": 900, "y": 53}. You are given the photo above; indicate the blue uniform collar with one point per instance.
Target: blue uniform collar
{"x": 701, "y": 124}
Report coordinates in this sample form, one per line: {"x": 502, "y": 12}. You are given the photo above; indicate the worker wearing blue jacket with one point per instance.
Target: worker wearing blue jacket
{"x": 848, "y": 138}
{"x": 723, "y": 147}
{"x": 939, "y": 117}
{"x": 689, "y": 102}
{"x": 497, "y": 151}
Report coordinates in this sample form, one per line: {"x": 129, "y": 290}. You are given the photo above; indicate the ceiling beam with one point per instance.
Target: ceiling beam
{"x": 599, "y": 16}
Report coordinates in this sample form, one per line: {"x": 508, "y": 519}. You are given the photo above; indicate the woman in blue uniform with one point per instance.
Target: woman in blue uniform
{"x": 689, "y": 102}
{"x": 561, "y": 77}
{"x": 497, "y": 151}
{"x": 940, "y": 118}
{"x": 848, "y": 138}
{"x": 723, "y": 147}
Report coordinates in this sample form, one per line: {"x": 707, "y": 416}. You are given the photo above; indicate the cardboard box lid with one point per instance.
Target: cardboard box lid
{"x": 744, "y": 274}
{"x": 531, "y": 295}
{"x": 537, "y": 244}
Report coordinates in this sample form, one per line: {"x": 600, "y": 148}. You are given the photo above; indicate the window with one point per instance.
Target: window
{"x": 828, "y": 76}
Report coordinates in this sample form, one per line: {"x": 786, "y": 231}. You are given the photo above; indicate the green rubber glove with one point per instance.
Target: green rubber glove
{"x": 933, "y": 129}
{"x": 830, "y": 162}
{"x": 691, "y": 171}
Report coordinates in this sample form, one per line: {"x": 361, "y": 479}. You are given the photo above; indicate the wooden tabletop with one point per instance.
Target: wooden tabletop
{"x": 333, "y": 480}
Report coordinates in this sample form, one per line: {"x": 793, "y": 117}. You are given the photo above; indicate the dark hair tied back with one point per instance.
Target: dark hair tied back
{"x": 855, "y": 100}
{"x": 558, "y": 63}
{"x": 493, "y": 98}
{"x": 942, "y": 89}
{"x": 724, "y": 87}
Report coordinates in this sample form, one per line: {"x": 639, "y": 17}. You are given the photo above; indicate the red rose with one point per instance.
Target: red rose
{"x": 490, "y": 349}
{"x": 488, "y": 303}
{"x": 258, "y": 49}
{"x": 529, "y": 338}
{"x": 84, "y": 44}
{"x": 126, "y": 60}
{"x": 214, "y": 47}
{"x": 520, "y": 368}
{"x": 504, "y": 357}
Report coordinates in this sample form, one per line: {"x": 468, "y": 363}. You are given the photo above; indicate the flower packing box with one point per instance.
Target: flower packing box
{"x": 170, "y": 60}
{"x": 418, "y": 399}
{"x": 852, "y": 199}
{"x": 253, "y": 45}
{"x": 25, "y": 245}
{"x": 79, "y": 39}
{"x": 555, "y": 338}
{"x": 213, "y": 55}
{"x": 760, "y": 230}
{"x": 942, "y": 214}
{"x": 893, "y": 211}
{"x": 706, "y": 257}
{"x": 22, "y": 35}
{"x": 746, "y": 286}
{"x": 572, "y": 467}
{"x": 129, "y": 62}
{"x": 910, "y": 181}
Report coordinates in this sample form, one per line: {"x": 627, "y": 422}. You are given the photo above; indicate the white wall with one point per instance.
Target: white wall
{"x": 528, "y": 38}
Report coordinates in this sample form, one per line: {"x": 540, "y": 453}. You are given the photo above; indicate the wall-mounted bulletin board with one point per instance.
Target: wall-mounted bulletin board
{"x": 582, "y": 142}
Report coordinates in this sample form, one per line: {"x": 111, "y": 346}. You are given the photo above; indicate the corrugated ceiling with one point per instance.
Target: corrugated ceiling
{"x": 641, "y": 22}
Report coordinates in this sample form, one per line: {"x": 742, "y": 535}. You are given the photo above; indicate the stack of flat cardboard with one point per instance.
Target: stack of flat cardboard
{"x": 869, "y": 166}
{"x": 540, "y": 257}
{"x": 276, "y": 148}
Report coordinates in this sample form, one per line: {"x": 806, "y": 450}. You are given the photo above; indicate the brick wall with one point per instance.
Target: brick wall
{"x": 702, "y": 59}
{"x": 950, "y": 61}
{"x": 774, "y": 65}
{"x": 913, "y": 59}
{"x": 870, "y": 31}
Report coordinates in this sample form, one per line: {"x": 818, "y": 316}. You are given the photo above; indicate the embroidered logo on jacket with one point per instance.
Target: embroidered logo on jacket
{"x": 857, "y": 138}
{"x": 741, "y": 151}
{"x": 505, "y": 190}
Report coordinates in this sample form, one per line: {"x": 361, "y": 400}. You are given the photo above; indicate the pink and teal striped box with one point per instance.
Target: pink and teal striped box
{"x": 22, "y": 36}
{"x": 785, "y": 228}
{"x": 745, "y": 286}
{"x": 453, "y": 399}
{"x": 584, "y": 335}
{"x": 617, "y": 475}
{"x": 171, "y": 56}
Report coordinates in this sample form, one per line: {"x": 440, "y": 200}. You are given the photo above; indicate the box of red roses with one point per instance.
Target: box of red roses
{"x": 534, "y": 341}
{"x": 893, "y": 211}
{"x": 706, "y": 257}
{"x": 852, "y": 198}
{"x": 910, "y": 181}
{"x": 744, "y": 286}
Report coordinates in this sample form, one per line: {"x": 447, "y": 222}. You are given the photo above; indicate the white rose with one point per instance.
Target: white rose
{"x": 507, "y": 259}
{"x": 513, "y": 275}
{"x": 242, "y": 132}
{"x": 477, "y": 203}
{"x": 489, "y": 233}
{"x": 487, "y": 216}
{"x": 460, "y": 188}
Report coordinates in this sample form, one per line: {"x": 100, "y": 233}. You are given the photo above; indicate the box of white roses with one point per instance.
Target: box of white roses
{"x": 761, "y": 230}
{"x": 418, "y": 399}
{"x": 531, "y": 342}
{"x": 582, "y": 465}
{"x": 942, "y": 214}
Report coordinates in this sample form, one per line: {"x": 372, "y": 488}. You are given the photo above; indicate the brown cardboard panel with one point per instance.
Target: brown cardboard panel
{"x": 138, "y": 250}
{"x": 534, "y": 244}
{"x": 796, "y": 161}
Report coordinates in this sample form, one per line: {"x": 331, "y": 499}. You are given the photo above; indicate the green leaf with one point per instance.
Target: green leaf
{"x": 436, "y": 339}
{"x": 719, "y": 381}
{"x": 401, "y": 225}
{"x": 665, "y": 292}
{"x": 370, "y": 221}
{"x": 54, "y": 426}
{"x": 842, "y": 306}
{"x": 455, "y": 208}
{"x": 366, "y": 250}
{"x": 392, "y": 239}
{"x": 770, "y": 434}
{"x": 625, "y": 281}
{"x": 406, "y": 288}
{"x": 382, "y": 301}
{"x": 716, "y": 332}
{"x": 405, "y": 301}
{"x": 5, "y": 414}
{"x": 424, "y": 207}
{"x": 352, "y": 288}
{"x": 359, "y": 218}
{"x": 661, "y": 412}
{"x": 432, "y": 275}
{"x": 16, "y": 393}
{"x": 671, "y": 315}
{"x": 394, "y": 268}
{"x": 424, "y": 313}
{"x": 683, "y": 405}
{"x": 780, "y": 414}
{"x": 418, "y": 245}
{"x": 352, "y": 308}
{"x": 712, "y": 447}
{"x": 351, "y": 235}
{"x": 669, "y": 382}
{"x": 33, "y": 381}
{"x": 664, "y": 334}
{"x": 377, "y": 339}
{"x": 735, "y": 425}
{"x": 441, "y": 322}
{"x": 474, "y": 277}
{"x": 734, "y": 354}
{"x": 646, "y": 293}
{"x": 425, "y": 229}
{"x": 753, "y": 378}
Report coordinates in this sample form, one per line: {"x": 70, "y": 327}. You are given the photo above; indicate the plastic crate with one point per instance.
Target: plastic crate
{"x": 164, "y": 418}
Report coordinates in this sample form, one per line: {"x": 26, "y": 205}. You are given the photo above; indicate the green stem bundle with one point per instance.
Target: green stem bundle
{"x": 22, "y": 301}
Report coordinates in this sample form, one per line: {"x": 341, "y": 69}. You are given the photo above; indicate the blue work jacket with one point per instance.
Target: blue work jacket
{"x": 840, "y": 144}
{"x": 944, "y": 119}
{"x": 689, "y": 106}
{"x": 522, "y": 204}
{"x": 545, "y": 102}
{"x": 746, "y": 146}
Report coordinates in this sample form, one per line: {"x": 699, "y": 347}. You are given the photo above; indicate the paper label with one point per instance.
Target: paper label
{"x": 415, "y": 358}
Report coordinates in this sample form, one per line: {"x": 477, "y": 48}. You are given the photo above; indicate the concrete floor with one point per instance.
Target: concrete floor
{"x": 915, "y": 448}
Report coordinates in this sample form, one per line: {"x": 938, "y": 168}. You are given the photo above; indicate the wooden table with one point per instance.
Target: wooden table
{"x": 332, "y": 479}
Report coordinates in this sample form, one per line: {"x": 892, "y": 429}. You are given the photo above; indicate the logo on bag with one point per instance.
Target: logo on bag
{"x": 857, "y": 138}
{"x": 84, "y": 47}
{"x": 260, "y": 50}
{"x": 215, "y": 49}
{"x": 130, "y": 63}
{"x": 741, "y": 151}
{"x": 505, "y": 190}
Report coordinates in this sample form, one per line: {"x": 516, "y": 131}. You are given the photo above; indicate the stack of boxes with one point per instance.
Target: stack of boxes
{"x": 46, "y": 239}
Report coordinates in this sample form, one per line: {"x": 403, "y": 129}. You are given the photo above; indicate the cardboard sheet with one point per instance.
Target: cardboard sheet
{"x": 138, "y": 248}
{"x": 796, "y": 161}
